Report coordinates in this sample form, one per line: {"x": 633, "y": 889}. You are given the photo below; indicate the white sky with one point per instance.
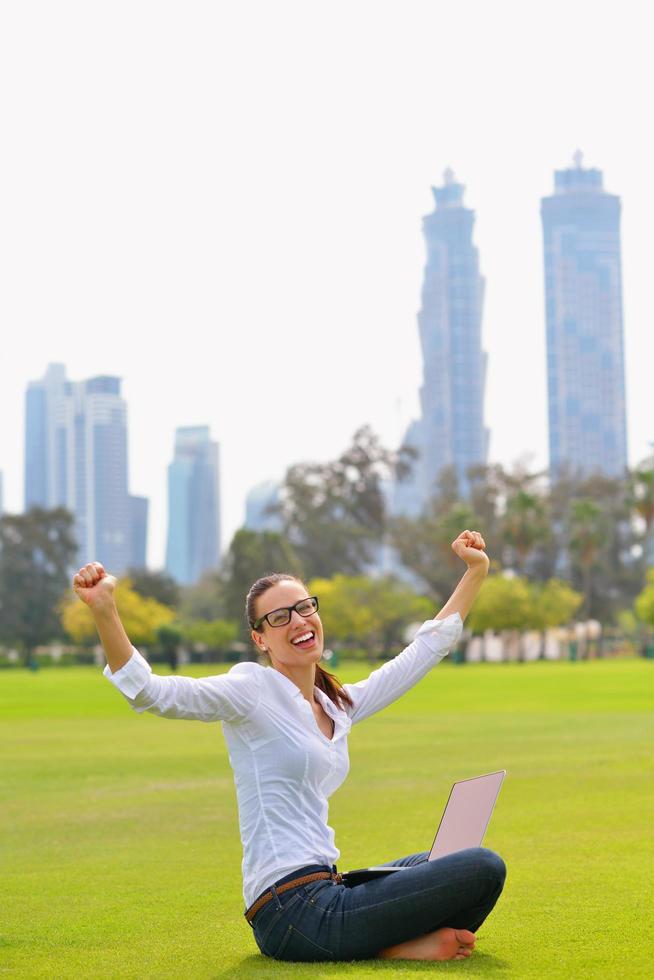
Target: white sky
{"x": 221, "y": 204}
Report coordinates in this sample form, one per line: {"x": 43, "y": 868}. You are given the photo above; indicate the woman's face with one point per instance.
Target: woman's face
{"x": 298, "y": 643}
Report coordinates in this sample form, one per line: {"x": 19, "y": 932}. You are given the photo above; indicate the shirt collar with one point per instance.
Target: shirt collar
{"x": 338, "y": 716}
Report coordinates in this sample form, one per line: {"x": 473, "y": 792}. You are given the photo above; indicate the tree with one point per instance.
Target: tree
{"x": 642, "y": 501}
{"x": 502, "y": 604}
{"x": 524, "y": 525}
{"x": 424, "y": 546}
{"x": 645, "y": 601}
{"x": 37, "y": 551}
{"x": 587, "y": 527}
{"x": 155, "y": 585}
{"x": 372, "y": 613}
{"x": 251, "y": 555}
{"x": 142, "y": 618}
{"x": 169, "y": 637}
{"x": 553, "y": 603}
{"x": 217, "y": 635}
{"x": 204, "y": 600}
{"x": 334, "y": 513}
{"x": 594, "y": 541}
{"x": 486, "y": 485}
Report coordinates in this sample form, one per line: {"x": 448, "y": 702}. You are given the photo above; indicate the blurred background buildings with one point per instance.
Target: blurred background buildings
{"x": 450, "y": 430}
{"x": 583, "y": 313}
{"x": 76, "y": 457}
{"x": 260, "y": 505}
{"x": 193, "y": 545}
{"x": 76, "y": 432}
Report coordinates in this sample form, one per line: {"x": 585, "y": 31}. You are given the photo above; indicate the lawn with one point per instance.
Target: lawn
{"x": 119, "y": 847}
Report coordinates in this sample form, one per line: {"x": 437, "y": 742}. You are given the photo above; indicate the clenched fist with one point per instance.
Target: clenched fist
{"x": 470, "y": 547}
{"x": 94, "y": 586}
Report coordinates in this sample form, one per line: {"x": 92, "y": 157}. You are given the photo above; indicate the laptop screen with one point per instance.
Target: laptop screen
{"x": 467, "y": 813}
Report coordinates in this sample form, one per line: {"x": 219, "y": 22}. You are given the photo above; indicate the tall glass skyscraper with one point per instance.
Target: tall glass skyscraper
{"x": 258, "y": 507}
{"x": 450, "y": 431}
{"x": 193, "y": 506}
{"x": 76, "y": 457}
{"x": 583, "y": 311}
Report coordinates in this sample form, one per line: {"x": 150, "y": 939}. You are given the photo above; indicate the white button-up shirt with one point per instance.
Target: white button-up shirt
{"x": 285, "y": 768}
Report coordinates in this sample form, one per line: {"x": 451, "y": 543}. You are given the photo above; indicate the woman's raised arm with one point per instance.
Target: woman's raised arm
{"x": 96, "y": 588}
{"x": 228, "y": 697}
{"x": 469, "y": 546}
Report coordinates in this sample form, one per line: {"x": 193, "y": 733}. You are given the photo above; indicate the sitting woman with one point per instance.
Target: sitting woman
{"x": 286, "y": 728}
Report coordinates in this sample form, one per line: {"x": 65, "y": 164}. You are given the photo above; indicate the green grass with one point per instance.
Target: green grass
{"x": 119, "y": 847}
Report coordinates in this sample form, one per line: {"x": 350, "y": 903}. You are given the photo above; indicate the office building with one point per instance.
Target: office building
{"x": 76, "y": 457}
{"x": 583, "y": 312}
{"x": 260, "y": 504}
{"x": 193, "y": 545}
{"x": 450, "y": 431}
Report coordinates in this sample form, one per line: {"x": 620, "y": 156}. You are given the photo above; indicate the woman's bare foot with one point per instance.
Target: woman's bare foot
{"x": 444, "y": 944}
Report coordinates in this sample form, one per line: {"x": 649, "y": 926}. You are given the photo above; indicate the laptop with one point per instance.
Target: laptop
{"x": 463, "y": 824}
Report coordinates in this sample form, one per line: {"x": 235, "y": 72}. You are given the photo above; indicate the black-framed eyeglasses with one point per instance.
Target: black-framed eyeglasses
{"x": 281, "y": 617}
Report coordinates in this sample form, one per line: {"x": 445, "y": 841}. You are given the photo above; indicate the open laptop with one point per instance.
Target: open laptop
{"x": 463, "y": 824}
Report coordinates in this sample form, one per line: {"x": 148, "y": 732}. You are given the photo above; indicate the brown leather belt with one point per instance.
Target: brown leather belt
{"x": 265, "y": 898}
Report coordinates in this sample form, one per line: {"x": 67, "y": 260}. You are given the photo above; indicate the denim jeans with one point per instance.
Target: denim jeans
{"x": 328, "y": 921}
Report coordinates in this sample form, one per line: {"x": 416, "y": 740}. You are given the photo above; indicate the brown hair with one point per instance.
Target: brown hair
{"x": 326, "y": 682}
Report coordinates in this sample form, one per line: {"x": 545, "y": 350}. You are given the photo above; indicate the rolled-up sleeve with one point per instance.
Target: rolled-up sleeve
{"x": 226, "y": 697}
{"x": 432, "y": 642}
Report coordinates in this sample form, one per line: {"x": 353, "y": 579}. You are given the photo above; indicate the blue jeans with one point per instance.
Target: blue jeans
{"x": 328, "y": 921}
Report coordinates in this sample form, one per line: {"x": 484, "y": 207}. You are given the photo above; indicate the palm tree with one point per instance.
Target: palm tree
{"x": 642, "y": 500}
{"x": 587, "y": 533}
{"x": 524, "y": 525}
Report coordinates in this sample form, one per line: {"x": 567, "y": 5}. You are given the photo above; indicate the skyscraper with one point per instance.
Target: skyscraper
{"x": 450, "y": 431}
{"x": 138, "y": 517}
{"x": 193, "y": 506}
{"x": 583, "y": 312}
{"x": 76, "y": 457}
{"x": 259, "y": 502}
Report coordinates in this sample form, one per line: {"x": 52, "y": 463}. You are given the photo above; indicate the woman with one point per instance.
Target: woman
{"x": 286, "y": 728}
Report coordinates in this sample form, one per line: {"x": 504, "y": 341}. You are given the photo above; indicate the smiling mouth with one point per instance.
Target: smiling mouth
{"x": 304, "y": 639}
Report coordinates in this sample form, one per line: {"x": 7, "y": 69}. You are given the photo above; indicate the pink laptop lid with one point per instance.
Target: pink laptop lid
{"x": 467, "y": 813}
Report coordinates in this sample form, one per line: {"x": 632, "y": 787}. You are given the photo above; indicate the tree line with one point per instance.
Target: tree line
{"x": 579, "y": 546}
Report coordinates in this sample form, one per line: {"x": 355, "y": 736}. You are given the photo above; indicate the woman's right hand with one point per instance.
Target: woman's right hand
{"x": 94, "y": 586}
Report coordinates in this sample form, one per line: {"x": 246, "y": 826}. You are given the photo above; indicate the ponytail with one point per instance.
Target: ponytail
{"x": 332, "y": 687}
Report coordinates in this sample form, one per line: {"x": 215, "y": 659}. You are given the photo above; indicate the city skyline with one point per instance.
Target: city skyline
{"x": 245, "y": 251}
{"x": 76, "y": 457}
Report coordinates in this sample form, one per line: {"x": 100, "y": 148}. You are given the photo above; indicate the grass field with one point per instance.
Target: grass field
{"x": 120, "y": 855}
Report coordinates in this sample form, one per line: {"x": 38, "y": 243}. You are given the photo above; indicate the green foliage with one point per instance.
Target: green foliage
{"x": 645, "y": 601}
{"x": 511, "y": 603}
{"x": 251, "y": 555}
{"x": 169, "y": 638}
{"x": 588, "y": 530}
{"x": 335, "y": 512}
{"x": 524, "y": 525}
{"x": 218, "y": 634}
{"x": 204, "y": 600}
{"x": 553, "y": 603}
{"x": 502, "y": 604}
{"x": 372, "y": 613}
{"x": 155, "y": 585}
{"x": 37, "y": 550}
{"x": 424, "y": 545}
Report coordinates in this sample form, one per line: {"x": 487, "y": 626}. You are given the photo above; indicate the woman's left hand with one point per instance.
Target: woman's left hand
{"x": 469, "y": 546}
